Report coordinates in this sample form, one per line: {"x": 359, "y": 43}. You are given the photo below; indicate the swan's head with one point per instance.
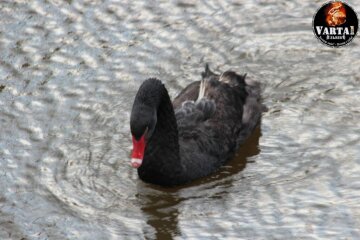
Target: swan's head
{"x": 142, "y": 124}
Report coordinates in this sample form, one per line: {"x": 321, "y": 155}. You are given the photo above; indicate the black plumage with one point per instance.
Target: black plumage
{"x": 193, "y": 136}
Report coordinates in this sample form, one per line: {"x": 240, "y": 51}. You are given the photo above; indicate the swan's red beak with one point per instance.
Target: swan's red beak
{"x": 138, "y": 151}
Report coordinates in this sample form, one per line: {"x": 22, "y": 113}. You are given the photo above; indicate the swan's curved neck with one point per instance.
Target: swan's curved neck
{"x": 161, "y": 161}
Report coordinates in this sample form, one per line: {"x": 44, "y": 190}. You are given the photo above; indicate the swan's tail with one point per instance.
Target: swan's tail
{"x": 229, "y": 77}
{"x": 232, "y": 78}
{"x": 252, "y": 109}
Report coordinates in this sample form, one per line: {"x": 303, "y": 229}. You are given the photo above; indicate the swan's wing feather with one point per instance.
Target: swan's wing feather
{"x": 207, "y": 107}
{"x": 192, "y": 113}
{"x": 190, "y": 93}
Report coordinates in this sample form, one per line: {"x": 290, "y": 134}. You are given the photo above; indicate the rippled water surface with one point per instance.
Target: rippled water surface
{"x": 69, "y": 71}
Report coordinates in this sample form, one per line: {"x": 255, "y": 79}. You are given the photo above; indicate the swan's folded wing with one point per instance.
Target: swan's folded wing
{"x": 190, "y": 93}
{"x": 191, "y": 113}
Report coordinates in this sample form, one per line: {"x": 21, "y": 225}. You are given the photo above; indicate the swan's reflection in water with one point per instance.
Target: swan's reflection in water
{"x": 162, "y": 211}
{"x": 161, "y": 205}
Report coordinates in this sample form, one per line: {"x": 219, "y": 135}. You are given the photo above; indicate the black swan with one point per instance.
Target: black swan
{"x": 191, "y": 137}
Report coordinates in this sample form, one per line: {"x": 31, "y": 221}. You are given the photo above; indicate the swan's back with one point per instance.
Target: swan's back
{"x": 214, "y": 116}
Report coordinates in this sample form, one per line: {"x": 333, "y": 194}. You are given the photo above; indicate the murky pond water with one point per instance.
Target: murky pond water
{"x": 69, "y": 71}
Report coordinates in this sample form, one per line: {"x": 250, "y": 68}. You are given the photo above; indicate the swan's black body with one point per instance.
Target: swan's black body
{"x": 191, "y": 138}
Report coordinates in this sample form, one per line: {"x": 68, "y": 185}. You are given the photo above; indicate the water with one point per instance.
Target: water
{"x": 69, "y": 71}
